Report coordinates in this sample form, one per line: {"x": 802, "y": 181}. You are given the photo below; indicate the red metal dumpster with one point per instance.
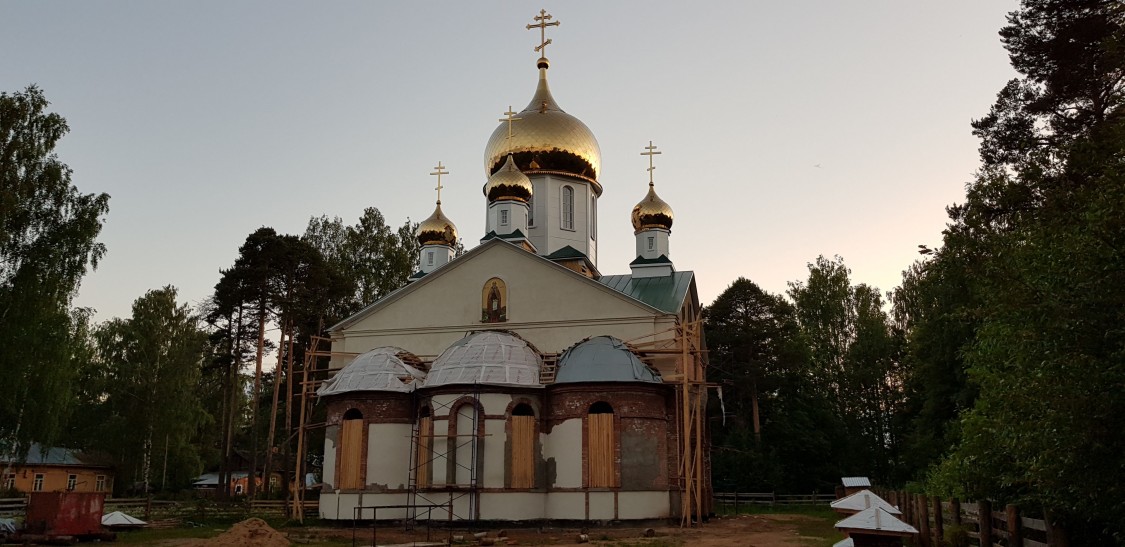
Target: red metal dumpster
{"x": 56, "y": 514}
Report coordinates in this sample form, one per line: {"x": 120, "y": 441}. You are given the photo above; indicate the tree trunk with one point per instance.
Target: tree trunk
{"x": 268, "y": 471}
{"x": 251, "y": 482}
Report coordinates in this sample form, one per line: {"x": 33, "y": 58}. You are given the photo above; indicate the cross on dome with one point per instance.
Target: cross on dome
{"x": 542, "y": 24}
{"x": 440, "y": 170}
{"x": 511, "y": 117}
{"x": 651, "y": 151}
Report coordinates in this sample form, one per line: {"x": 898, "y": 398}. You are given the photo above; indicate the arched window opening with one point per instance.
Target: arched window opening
{"x": 423, "y": 477}
{"x": 601, "y": 444}
{"x": 494, "y": 301}
{"x": 531, "y": 211}
{"x": 594, "y": 218}
{"x": 351, "y": 451}
{"x": 467, "y": 452}
{"x": 522, "y": 442}
{"x": 567, "y": 208}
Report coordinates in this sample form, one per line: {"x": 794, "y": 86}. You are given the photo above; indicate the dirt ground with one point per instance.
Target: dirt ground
{"x": 742, "y": 530}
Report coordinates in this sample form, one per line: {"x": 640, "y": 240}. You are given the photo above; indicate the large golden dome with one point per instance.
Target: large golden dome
{"x": 437, "y": 230}
{"x": 508, "y": 183}
{"x": 652, "y": 212}
{"x": 546, "y": 140}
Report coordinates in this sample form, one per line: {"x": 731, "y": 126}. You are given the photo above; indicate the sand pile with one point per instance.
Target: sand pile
{"x": 252, "y": 532}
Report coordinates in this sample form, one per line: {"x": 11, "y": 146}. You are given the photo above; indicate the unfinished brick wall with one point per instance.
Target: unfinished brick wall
{"x": 376, "y": 408}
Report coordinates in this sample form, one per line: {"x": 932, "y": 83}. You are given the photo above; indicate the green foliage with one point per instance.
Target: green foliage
{"x": 1016, "y": 328}
{"x": 48, "y": 232}
{"x": 370, "y": 256}
{"x": 145, "y": 410}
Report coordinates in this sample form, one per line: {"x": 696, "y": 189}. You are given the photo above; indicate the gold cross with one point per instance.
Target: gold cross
{"x": 510, "y": 118}
{"x": 440, "y": 170}
{"x": 651, "y": 152}
{"x": 542, "y": 25}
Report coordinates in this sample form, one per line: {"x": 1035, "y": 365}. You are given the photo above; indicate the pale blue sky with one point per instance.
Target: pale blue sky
{"x": 789, "y": 129}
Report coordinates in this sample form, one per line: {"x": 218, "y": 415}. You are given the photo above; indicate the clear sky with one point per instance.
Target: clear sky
{"x": 788, "y": 129}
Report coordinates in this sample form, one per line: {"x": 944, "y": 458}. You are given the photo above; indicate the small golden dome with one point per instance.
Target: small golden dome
{"x": 652, "y": 212}
{"x": 547, "y": 137}
{"x": 508, "y": 183}
{"x": 437, "y": 230}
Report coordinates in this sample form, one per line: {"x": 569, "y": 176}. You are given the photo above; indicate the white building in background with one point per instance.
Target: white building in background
{"x": 516, "y": 381}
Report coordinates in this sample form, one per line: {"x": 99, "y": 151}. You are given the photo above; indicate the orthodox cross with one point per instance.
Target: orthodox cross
{"x": 542, "y": 24}
{"x": 440, "y": 170}
{"x": 511, "y": 117}
{"x": 651, "y": 152}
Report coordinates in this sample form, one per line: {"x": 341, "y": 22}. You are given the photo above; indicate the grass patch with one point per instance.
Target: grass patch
{"x": 145, "y": 537}
{"x": 818, "y": 531}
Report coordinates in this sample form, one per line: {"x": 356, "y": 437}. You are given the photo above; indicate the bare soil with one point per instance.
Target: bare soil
{"x": 742, "y": 530}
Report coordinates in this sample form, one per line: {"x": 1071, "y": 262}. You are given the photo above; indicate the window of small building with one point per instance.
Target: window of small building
{"x": 503, "y": 217}
{"x": 423, "y": 477}
{"x": 494, "y": 301}
{"x": 10, "y": 481}
{"x": 351, "y": 451}
{"x": 567, "y": 208}
{"x": 71, "y": 482}
{"x": 429, "y": 258}
{"x": 601, "y": 444}
{"x": 99, "y": 483}
{"x": 37, "y": 483}
{"x": 522, "y": 442}
{"x": 651, "y": 242}
{"x": 238, "y": 489}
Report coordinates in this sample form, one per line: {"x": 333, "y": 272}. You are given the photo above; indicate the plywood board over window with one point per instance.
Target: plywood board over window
{"x": 523, "y": 451}
{"x": 351, "y": 454}
{"x": 601, "y": 443}
{"x": 425, "y": 451}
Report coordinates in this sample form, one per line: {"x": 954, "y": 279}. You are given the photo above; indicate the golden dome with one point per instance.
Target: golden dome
{"x": 652, "y": 212}
{"x": 437, "y": 230}
{"x": 508, "y": 183}
{"x": 554, "y": 140}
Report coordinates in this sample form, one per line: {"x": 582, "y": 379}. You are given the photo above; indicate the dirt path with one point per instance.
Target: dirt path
{"x": 743, "y": 531}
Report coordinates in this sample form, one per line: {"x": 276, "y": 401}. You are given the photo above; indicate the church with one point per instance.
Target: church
{"x": 517, "y": 382}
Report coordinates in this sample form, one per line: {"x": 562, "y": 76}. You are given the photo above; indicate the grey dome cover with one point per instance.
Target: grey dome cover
{"x": 487, "y": 357}
{"x": 603, "y": 359}
{"x": 381, "y": 369}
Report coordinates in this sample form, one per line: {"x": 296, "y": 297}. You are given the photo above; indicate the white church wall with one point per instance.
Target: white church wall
{"x": 493, "y": 454}
{"x": 601, "y": 506}
{"x": 566, "y": 505}
{"x": 549, "y": 306}
{"x": 440, "y": 463}
{"x": 513, "y": 506}
{"x": 342, "y": 505}
{"x": 564, "y": 444}
{"x": 388, "y": 453}
{"x": 643, "y": 505}
{"x": 328, "y": 472}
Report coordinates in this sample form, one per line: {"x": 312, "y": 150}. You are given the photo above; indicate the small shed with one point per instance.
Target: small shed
{"x": 875, "y": 527}
{"x": 855, "y": 484}
{"x": 863, "y": 499}
{"x": 65, "y": 514}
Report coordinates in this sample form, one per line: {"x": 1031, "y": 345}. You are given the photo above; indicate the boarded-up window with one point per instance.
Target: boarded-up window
{"x": 523, "y": 447}
{"x": 351, "y": 451}
{"x": 601, "y": 442}
{"x": 425, "y": 449}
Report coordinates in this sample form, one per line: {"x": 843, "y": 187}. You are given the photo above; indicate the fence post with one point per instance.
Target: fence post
{"x": 955, "y": 511}
{"x": 736, "y": 502}
{"x": 984, "y": 510}
{"x": 939, "y": 521}
{"x": 1056, "y": 536}
{"x": 923, "y": 521}
{"x": 1014, "y": 537}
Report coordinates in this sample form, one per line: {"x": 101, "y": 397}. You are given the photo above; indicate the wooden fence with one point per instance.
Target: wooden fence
{"x": 734, "y": 501}
{"x": 164, "y": 513}
{"x": 979, "y": 523}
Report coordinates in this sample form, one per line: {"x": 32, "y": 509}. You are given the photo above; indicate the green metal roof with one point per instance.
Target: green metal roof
{"x": 665, "y": 293}
{"x": 565, "y": 252}
{"x": 662, "y": 259}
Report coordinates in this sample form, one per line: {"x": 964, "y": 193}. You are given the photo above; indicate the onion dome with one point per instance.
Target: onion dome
{"x": 603, "y": 359}
{"x": 547, "y": 140}
{"x": 381, "y": 369}
{"x": 487, "y": 357}
{"x": 508, "y": 183}
{"x": 437, "y": 230}
{"x": 652, "y": 212}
